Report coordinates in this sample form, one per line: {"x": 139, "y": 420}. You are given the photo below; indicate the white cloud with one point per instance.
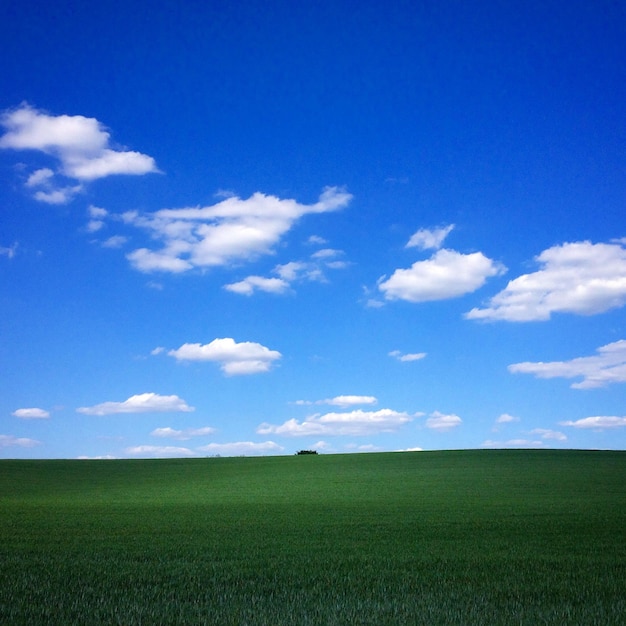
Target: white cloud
{"x": 80, "y": 144}
{"x": 9, "y": 252}
{"x": 416, "y": 449}
{"x": 234, "y": 358}
{"x": 231, "y": 231}
{"x": 405, "y": 358}
{"x": 141, "y": 403}
{"x": 249, "y": 285}
{"x": 242, "y": 448}
{"x": 581, "y": 278}
{"x": 447, "y": 274}
{"x": 182, "y": 435}
{"x": 441, "y": 422}
{"x": 159, "y": 451}
{"x": 302, "y": 271}
{"x": 601, "y": 370}
{"x": 353, "y": 423}
{"x": 505, "y": 418}
{"x": 116, "y": 241}
{"x": 7, "y": 441}
{"x": 426, "y": 239}
{"x": 597, "y": 422}
{"x": 546, "y": 433}
{"x": 512, "y": 443}
{"x": 341, "y": 401}
{"x": 32, "y": 413}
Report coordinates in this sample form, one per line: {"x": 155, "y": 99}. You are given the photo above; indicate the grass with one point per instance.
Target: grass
{"x": 463, "y": 537}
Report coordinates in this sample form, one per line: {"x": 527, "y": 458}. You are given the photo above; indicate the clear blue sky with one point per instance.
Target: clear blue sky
{"x": 256, "y": 227}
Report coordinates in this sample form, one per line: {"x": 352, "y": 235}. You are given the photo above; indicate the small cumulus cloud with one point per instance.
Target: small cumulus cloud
{"x": 581, "y": 278}
{"x": 598, "y": 422}
{"x": 356, "y": 422}
{"x": 442, "y": 422}
{"x": 80, "y": 145}
{"x": 447, "y": 274}
{"x": 234, "y": 358}
{"x": 606, "y": 367}
{"x": 31, "y": 413}
{"x": 140, "y": 403}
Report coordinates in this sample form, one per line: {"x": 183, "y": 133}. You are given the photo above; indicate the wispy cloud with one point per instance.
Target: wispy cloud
{"x": 546, "y": 433}
{"x": 512, "y": 443}
{"x": 601, "y": 370}
{"x": 159, "y": 451}
{"x": 9, "y": 251}
{"x": 242, "y": 448}
{"x": 429, "y": 239}
{"x": 81, "y": 146}
{"x": 599, "y": 422}
{"x": 406, "y": 358}
{"x": 341, "y": 401}
{"x": 182, "y": 435}
{"x": 7, "y": 441}
{"x": 353, "y": 423}
{"x": 234, "y": 358}
{"x": 141, "y": 403}
{"x": 581, "y": 278}
{"x": 232, "y": 231}
{"x": 31, "y": 413}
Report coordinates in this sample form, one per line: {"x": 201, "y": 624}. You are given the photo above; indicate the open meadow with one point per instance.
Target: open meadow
{"x": 456, "y": 537}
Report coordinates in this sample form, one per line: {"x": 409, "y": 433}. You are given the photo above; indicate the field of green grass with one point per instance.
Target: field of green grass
{"x": 457, "y": 537}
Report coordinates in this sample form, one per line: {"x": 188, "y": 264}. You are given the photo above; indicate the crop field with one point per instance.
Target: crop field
{"x": 457, "y": 537}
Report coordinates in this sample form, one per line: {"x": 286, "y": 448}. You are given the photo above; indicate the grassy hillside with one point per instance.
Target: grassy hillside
{"x": 468, "y": 537}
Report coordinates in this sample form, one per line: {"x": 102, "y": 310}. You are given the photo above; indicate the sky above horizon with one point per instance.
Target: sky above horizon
{"x": 253, "y": 228}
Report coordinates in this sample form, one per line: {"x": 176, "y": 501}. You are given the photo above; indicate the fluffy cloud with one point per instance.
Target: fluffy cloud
{"x": 182, "y": 435}
{"x": 233, "y": 230}
{"x": 341, "y": 401}
{"x": 141, "y": 403}
{"x": 32, "y": 413}
{"x": 353, "y": 423}
{"x": 597, "y": 422}
{"x": 234, "y": 358}
{"x": 605, "y": 368}
{"x": 242, "y": 448}
{"x": 447, "y": 274}
{"x": 581, "y": 278}
{"x": 159, "y": 451}
{"x": 7, "y": 441}
{"x": 80, "y": 144}
{"x": 426, "y": 239}
{"x": 405, "y": 358}
{"x": 441, "y": 422}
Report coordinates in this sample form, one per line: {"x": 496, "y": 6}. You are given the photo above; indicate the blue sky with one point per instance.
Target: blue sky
{"x": 253, "y": 228}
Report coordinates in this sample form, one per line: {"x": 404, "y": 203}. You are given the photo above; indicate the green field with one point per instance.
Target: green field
{"x": 463, "y": 537}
